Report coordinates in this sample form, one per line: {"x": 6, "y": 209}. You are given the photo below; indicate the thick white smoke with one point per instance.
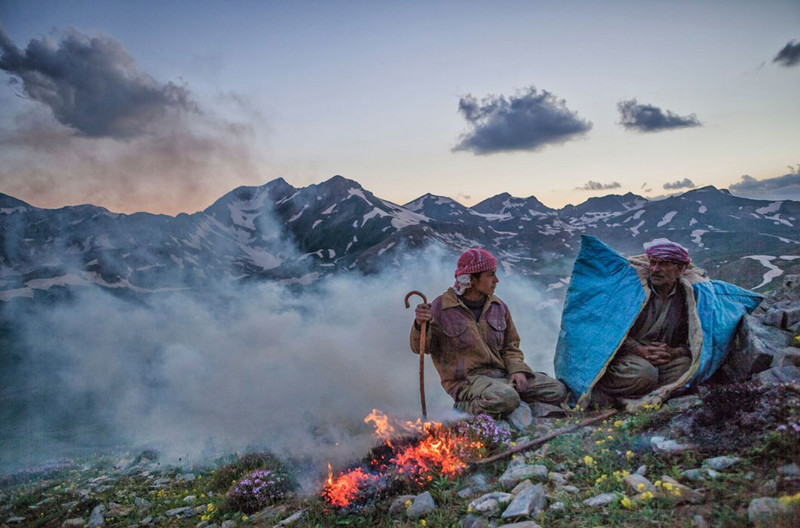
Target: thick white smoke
{"x": 256, "y": 365}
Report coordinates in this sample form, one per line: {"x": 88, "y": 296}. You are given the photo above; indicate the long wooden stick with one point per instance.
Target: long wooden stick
{"x": 546, "y": 438}
{"x": 424, "y": 329}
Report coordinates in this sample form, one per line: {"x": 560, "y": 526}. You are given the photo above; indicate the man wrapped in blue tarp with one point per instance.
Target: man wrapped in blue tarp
{"x": 636, "y": 330}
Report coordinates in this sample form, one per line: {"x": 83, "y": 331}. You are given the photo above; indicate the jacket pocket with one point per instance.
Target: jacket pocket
{"x": 497, "y": 328}
{"x": 455, "y": 326}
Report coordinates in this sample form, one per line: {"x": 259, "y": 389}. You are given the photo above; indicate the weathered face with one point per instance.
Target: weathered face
{"x": 664, "y": 273}
{"x": 485, "y": 283}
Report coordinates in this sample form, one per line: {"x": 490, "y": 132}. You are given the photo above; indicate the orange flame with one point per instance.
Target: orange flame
{"x": 341, "y": 490}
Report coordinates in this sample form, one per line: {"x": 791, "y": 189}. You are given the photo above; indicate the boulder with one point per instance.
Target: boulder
{"x": 762, "y": 511}
{"x": 515, "y": 474}
{"x": 529, "y": 502}
{"x": 521, "y": 417}
{"x": 779, "y": 375}
{"x": 601, "y": 500}
{"x": 423, "y": 505}
{"x": 755, "y": 348}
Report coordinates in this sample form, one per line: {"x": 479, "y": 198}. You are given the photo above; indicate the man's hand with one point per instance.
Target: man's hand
{"x": 659, "y": 353}
{"x": 520, "y": 381}
{"x": 422, "y": 314}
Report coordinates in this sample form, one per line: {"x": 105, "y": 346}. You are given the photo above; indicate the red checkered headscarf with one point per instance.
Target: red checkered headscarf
{"x": 473, "y": 260}
{"x": 664, "y": 249}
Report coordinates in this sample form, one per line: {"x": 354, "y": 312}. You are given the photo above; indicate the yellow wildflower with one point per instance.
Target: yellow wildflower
{"x": 626, "y": 502}
{"x": 512, "y": 444}
{"x": 618, "y": 423}
{"x": 610, "y": 437}
{"x": 668, "y": 486}
{"x": 469, "y": 509}
{"x": 640, "y": 486}
{"x": 588, "y": 460}
{"x": 658, "y": 483}
{"x": 629, "y": 454}
{"x": 647, "y": 495}
{"x": 423, "y": 523}
{"x": 408, "y": 503}
{"x": 677, "y": 492}
{"x": 245, "y": 517}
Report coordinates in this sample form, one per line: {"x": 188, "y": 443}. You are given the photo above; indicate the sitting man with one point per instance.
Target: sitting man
{"x": 656, "y": 349}
{"x": 475, "y": 346}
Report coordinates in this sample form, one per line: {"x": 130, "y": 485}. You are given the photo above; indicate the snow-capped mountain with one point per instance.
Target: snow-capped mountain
{"x": 296, "y": 235}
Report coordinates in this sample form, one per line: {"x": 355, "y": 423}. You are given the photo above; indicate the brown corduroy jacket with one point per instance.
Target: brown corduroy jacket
{"x": 460, "y": 346}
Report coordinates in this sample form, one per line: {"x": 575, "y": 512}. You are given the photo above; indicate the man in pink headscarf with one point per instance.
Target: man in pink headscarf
{"x": 474, "y": 344}
{"x": 656, "y": 350}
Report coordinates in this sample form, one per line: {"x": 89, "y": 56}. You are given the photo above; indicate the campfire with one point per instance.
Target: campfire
{"x": 412, "y": 454}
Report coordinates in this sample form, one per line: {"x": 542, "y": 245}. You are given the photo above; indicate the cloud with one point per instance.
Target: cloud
{"x": 786, "y": 187}
{"x": 788, "y": 56}
{"x": 649, "y": 118}
{"x": 597, "y": 186}
{"x": 686, "y": 183}
{"x": 92, "y": 85}
{"x": 527, "y": 121}
{"x": 109, "y": 134}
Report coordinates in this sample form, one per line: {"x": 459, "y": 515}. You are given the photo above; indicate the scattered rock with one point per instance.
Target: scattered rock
{"x": 788, "y": 356}
{"x": 524, "y": 524}
{"x": 75, "y": 522}
{"x": 474, "y": 521}
{"x": 400, "y": 504}
{"x": 666, "y": 446}
{"x": 570, "y": 489}
{"x": 521, "y": 417}
{"x": 97, "y": 518}
{"x": 601, "y": 500}
{"x": 527, "y": 503}
{"x": 778, "y": 375}
{"x": 790, "y": 470}
{"x": 190, "y": 499}
{"x": 558, "y": 506}
{"x": 757, "y": 347}
{"x": 721, "y": 463}
{"x": 685, "y": 402}
{"x": 489, "y": 504}
{"x": 762, "y": 510}
{"x": 423, "y": 505}
{"x": 515, "y": 473}
{"x": 15, "y": 520}
{"x": 695, "y": 474}
{"x": 639, "y": 484}
{"x": 642, "y": 470}
{"x": 186, "y": 511}
{"x": 293, "y": 518}
{"x": 699, "y": 521}
{"x": 675, "y": 490}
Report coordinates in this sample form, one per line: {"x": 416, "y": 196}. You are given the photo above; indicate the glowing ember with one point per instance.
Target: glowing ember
{"x": 434, "y": 450}
{"x": 343, "y": 489}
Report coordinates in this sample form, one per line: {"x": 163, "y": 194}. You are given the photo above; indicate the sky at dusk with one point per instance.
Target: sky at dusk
{"x": 166, "y": 106}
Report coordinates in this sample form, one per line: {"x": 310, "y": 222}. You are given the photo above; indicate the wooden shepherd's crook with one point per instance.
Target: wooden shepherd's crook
{"x": 423, "y": 330}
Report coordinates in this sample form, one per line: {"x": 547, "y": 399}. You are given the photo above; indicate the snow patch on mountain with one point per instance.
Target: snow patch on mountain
{"x": 774, "y": 207}
{"x": 773, "y": 271}
{"x": 667, "y": 218}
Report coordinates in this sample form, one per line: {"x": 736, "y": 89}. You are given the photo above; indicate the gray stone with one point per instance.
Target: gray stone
{"x": 545, "y": 410}
{"x": 642, "y": 470}
{"x": 721, "y": 463}
{"x": 769, "y": 487}
{"x": 186, "y": 477}
{"x": 713, "y": 473}
{"x": 601, "y": 500}
{"x": 695, "y": 474}
{"x": 558, "y": 506}
{"x": 190, "y": 499}
{"x": 786, "y": 357}
{"x": 778, "y": 375}
{"x": 478, "y": 483}
{"x": 685, "y": 402}
{"x": 186, "y": 511}
{"x": 75, "y": 522}
{"x": 559, "y": 479}
{"x": 465, "y": 493}
{"x": 515, "y": 474}
{"x": 571, "y": 489}
{"x": 423, "y": 505}
{"x": 783, "y": 318}
{"x": 141, "y": 503}
{"x": 474, "y": 521}
{"x": 639, "y": 484}
{"x": 699, "y": 521}
{"x": 228, "y": 524}
{"x": 764, "y": 509}
{"x": 96, "y": 518}
{"x": 523, "y": 524}
{"x": 666, "y": 446}
{"x": 15, "y": 520}
{"x": 756, "y": 345}
{"x": 489, "y": 504}
{"x": 527, "y": 503}
{"x": 521, "y": 417}
{"x": 293, "y": 518}
{"x": 789, "y": 470}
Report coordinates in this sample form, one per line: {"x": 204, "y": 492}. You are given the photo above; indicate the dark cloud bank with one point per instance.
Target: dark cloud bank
{"x": 789, "y": 55}
{"x": 527, "y": 121}
{"x": 106, "y": 132}
{"x": 786, "y": 187}
{"x": 649, "y": 118}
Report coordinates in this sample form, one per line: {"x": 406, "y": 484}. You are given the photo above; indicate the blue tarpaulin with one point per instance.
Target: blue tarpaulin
{"x": 606, "y": 294}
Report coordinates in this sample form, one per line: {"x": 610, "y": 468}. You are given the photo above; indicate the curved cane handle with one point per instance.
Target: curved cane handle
{"x": 415, "y": 292}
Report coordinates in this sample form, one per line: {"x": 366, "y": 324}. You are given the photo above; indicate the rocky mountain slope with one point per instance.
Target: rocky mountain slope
{"x": 297, "y": 235}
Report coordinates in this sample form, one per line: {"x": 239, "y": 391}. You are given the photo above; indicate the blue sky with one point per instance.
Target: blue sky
{"x": 165, "y": 106}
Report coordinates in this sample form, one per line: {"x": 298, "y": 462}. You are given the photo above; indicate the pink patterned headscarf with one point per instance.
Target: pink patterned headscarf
{"x": 474, "y": 260}
{"x": 664, "y": 249}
